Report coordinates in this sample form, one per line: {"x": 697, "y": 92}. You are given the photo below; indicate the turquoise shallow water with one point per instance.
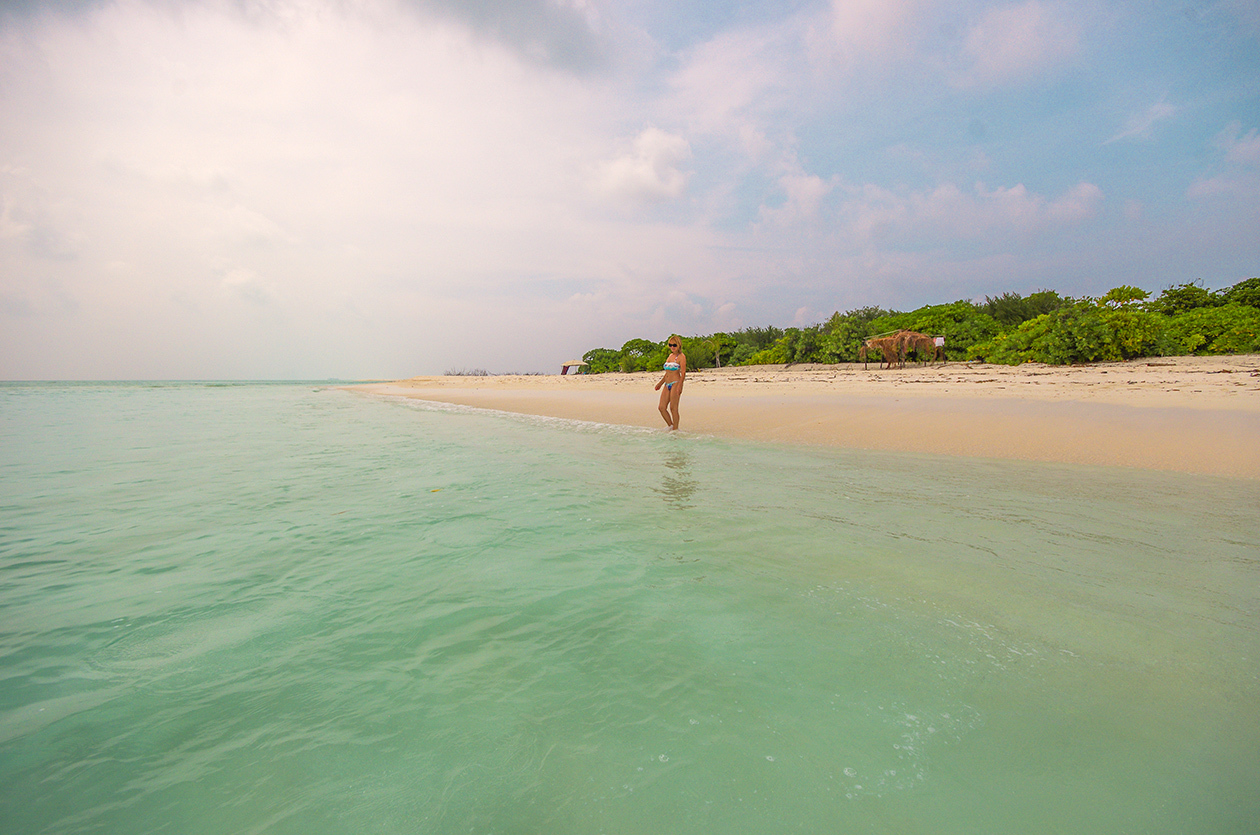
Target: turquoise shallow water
{"x": 287, "y": 608}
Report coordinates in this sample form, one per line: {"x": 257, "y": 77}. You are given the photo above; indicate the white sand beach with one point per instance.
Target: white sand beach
{"x": 1188, "y": 414}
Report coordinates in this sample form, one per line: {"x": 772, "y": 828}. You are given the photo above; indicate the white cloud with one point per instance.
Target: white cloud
{"x": 1243, "y": 149}
{"x": 1236, "y": 177}
{"x": 1010, "y": 43}
{"x": 724, "y": 85}
{"x": 884, "y": 30}
{"x": 36, "y": 219}
{"x": 726, "y": 317}
{"x": 1139, "y": 125}
{"x": 12, "y": 224}
{"x": 341, "y": 168}
{"x": 948, "y": 213}
{"x": 245, "y": 284}
{"x": 649, "y": 170}
{"x": 1081, "y": 202}
{"x": 804, "y": 194}
{"x": 1205, "y": 187}
{"x": 753, "y": 143}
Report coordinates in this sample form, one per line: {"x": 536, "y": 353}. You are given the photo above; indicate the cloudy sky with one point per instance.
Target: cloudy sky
{"x": 382, "y": 188}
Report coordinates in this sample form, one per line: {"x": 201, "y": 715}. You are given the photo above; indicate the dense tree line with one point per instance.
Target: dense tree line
{"x": 1042, "y": 327}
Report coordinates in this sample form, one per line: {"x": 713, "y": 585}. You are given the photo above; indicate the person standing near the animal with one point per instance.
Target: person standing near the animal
{"x": 675, "y": 373}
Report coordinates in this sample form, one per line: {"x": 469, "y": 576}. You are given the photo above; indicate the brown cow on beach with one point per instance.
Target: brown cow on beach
{"x": 889, "y": 348}
{"x": 922, "y": 344}
{"x": 894, "y": 347}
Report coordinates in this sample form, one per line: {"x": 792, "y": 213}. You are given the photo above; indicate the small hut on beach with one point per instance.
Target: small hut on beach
{"x": 578, "y": 364}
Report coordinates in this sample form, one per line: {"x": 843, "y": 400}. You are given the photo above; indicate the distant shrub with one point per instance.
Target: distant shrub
{"x": 742, "y": 354}
{"x": 600, "y": 360}
{"x": 1183, "y": 297}
{"x": 1122, "y": 296}
{"x": 467, "y": 372}
{"x": 1084, "y": 332}
{"x": 693, "y": 349}
{"x": 844, "y": 333}
{"x": 1229, "y": 329}
{"x": 638, "y": 354}
{"x": 1138, "y": 333}
{"x": 1010, "y": 310}
{"x": 807, "y": 344}
{"x": 780, "y": 353}
{"x": 757, "y": 339}
{"x": 1244, "y": 292}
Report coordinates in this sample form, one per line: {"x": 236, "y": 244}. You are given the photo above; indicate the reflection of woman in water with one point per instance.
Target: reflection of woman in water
{"x": 675, "y": 373}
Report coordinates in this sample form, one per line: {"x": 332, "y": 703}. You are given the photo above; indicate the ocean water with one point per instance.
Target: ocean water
{"x": 286, "y": 608}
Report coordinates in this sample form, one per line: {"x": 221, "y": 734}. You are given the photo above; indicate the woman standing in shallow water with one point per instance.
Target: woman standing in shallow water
{"x": 675, "y": 373}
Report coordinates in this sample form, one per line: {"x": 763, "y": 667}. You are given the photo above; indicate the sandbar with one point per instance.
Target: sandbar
{"x": 1186, "y": 414}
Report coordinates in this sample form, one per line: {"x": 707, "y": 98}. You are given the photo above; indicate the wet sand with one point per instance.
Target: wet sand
{"x": 1187, "y": 414}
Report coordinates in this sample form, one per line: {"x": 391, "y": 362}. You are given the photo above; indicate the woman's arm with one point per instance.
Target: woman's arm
{"x": 682, "y": 367}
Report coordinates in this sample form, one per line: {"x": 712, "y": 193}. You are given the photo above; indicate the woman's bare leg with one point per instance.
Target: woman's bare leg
{"x": 674, "y": 394}
{"x": 664, "y": 407}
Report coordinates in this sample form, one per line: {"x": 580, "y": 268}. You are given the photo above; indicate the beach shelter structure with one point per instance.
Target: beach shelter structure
{"x": 578, "y": 364}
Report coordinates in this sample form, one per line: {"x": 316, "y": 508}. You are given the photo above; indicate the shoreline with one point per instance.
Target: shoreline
{"x": 1185, "y": 414}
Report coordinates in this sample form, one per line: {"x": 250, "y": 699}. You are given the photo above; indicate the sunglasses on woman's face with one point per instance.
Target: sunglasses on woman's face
{"x": 673, "y": 345}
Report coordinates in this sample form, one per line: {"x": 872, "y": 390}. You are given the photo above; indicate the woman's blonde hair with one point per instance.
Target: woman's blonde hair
{"x": 674, "y": 338}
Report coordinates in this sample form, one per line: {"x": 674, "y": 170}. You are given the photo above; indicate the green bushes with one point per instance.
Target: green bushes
{"x": 1138, "y": 333}
{"x": 1073, "y": 334}
{"x": 1184, "y": 297}
{"x": 1193, "y": 296}
{"x": 599, "y": 360}
{"x": 635, "y": 355}
{"x": 1086, "y": 331}
{"x": 742, "y": 355}
{"x": 844, "y": 333}
{"x": 779, "y": 353}
{"x": 1231, "y": 328}
{"x": 1010, "y": 310}
{"x": 1010, "y": 329}
{"x": 1244, "y": 292}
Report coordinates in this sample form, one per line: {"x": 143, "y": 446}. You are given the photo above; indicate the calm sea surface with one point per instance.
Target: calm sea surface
{"x": 240, "y": 608}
